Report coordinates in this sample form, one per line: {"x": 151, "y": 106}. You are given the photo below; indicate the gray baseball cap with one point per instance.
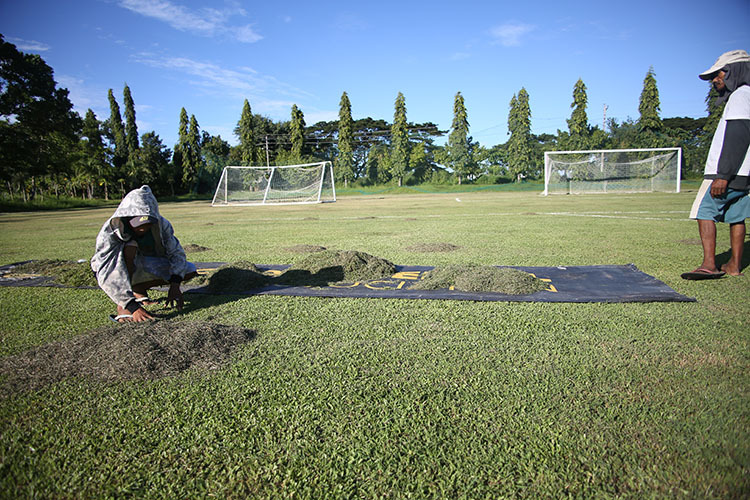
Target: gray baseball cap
{"x": 733, "y": 56}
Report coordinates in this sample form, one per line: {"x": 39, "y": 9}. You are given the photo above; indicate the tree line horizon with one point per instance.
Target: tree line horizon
{"x": 47, "y": 148}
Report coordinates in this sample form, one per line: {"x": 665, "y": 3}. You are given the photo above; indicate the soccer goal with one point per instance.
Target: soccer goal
{"x": 612, "y": 171}
{"x": 308, "y": 183}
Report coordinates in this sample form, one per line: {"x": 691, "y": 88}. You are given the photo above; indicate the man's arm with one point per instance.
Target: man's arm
{"x": 733, "y": 151}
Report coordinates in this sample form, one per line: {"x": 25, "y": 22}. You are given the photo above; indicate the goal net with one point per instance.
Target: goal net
{"x": 612, "y": 171}
{"x": 308, "y": 183}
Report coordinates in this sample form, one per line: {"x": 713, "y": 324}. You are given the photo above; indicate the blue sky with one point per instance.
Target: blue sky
{"x": 208, "y": 56}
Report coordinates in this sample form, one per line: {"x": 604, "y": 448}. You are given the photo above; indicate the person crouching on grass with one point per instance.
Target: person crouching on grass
{"x": 136, "y": 250}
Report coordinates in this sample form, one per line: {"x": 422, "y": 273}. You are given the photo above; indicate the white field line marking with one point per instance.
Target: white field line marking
{"x": 601, "y": 215}
{"x": 606, "y": 216}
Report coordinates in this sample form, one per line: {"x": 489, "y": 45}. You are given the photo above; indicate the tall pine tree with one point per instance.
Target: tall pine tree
{"x": 519, "y": 145}
{"x": 649, "y": 104}
{"x": 181, "y": 151}
{"x": 131, "y": 130}
{"x": 459, "y": 148}
{"x": 578, "y": 124}
{"x": 244, "y": 132}
{"x": 399, "y": 141}
{"x": 191, "y": 161}
{"x": 297, "y": 130}
{"x": 117, "y": 135}
{"x": 345, "y": 157}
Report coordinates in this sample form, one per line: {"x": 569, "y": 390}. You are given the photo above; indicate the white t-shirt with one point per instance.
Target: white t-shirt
{"x": 737, "y": 108}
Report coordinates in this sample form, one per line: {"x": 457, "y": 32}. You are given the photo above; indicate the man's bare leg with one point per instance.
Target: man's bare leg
{"x": 737, "y": 242}
{"x": 707, "y": 231}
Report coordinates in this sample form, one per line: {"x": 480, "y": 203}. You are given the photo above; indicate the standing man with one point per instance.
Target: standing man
{"x": 723, "y": 196}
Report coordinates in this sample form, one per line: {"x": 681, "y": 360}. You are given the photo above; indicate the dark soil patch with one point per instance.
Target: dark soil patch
{"x": 480, "y": 279}
{"x": 64, "y": 272}
{"x": 193, "y": 248}
{"x": 432, "y": 247}
{"x": 129, "y": 351}
{"x": 304, "y": 248}
{"x": 338, "y": 265}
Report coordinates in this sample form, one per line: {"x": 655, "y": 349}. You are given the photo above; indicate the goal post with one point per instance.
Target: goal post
{"x": 276, "y": 185}
{"x": 612, "y": 171}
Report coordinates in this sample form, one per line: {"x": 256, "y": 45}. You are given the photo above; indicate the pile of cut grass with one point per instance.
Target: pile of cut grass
{"x": 319, "y": 268}
{"x": 474, "y": 278}
{"x": 142, "y": 351}
{"x": 236, "y": 277}
{"x": 64, "y": 272}
{"x": 340, "y": 265}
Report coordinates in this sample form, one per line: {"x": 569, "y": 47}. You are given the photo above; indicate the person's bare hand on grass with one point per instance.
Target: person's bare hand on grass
{"x": 174, "y": 297}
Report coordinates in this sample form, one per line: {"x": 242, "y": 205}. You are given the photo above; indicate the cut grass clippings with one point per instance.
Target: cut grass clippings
{"x": 64, "y": 272}
{"x": 480, "y": 279}
{"x": 233, "y": 278}
{"x": 317, "y": 269}
{"x": 127, "y": 351}
{"x": 339, "y": 265}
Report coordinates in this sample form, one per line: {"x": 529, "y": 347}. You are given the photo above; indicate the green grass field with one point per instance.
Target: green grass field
{"x": 366, "y": 398}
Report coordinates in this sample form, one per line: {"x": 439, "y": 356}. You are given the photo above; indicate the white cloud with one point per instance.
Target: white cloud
{"x": 205, "y": 22}
{"x": 246, "y": 34}
{"x": 29, "y": 45}
{"x": 510, "y": 34}
{"x": 213, "y": 79}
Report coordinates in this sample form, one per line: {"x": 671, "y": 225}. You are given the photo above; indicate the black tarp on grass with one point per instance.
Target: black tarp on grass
{"x": 604, "y": 283}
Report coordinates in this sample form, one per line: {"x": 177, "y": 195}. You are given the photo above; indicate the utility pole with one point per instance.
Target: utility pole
{"x": 604, "y": 119}
{"x": 268, "y": 161}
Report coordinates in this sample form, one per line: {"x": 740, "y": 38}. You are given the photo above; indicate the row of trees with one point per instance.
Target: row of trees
{"x": 46, "y": 148}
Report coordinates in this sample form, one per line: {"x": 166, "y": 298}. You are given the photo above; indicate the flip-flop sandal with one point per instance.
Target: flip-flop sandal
{"x": 702, "y": 274}
{"x": 117, "y": 318}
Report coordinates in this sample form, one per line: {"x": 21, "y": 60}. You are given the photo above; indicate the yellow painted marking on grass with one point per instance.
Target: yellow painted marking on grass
{"x": 373, "y": 285}
{"x": 550, "y": 286}
{"x": 407, "y": 275}
{"x": 345, "y": 285}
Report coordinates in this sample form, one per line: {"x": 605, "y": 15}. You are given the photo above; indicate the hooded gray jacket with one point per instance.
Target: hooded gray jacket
{"x": 108, "y": 262}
